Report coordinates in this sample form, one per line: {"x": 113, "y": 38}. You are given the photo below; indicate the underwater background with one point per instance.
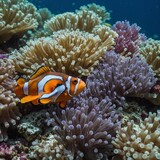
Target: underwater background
{"x": 145, "y": 13}
{"x": 79, "y": 80}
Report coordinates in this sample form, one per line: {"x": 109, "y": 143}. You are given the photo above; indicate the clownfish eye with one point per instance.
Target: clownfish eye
{"x": 75, "y": 81}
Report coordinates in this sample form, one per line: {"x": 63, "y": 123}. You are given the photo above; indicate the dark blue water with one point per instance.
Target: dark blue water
{"x": 146, "y": 13}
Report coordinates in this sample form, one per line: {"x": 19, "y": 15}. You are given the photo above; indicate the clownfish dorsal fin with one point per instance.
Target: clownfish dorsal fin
{"x": 40, "y": 71}
{"x": 20, "y": 81}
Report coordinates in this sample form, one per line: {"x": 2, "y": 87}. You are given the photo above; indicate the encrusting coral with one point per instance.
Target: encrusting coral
{"x": 154, "y": 95}
{"x": 8, "y": 110}
{"x": 31, "y": 125}
{"x": 16, "y": 17}
{"x": 48, "y": 148}
{"x": 150, "y": 50}
{"x": 6, "y": 151}
{"x": 11, "y": 152}
{"x": 118, "y": 77}
{"x": 129, "y": 39}
{"x": 71, "y": 52}
{"x": 139, "y": 142}
{"x": 87, "y": 127}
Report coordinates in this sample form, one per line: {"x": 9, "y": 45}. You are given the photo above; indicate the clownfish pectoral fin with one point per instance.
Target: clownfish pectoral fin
{"x": 40, "y": 71}
{"x": 20, "y": 81}
{"x": 44, "y": 100}
{"x": 29, "y": 98}
{"x": 35, "y": 102}
{"x": 62, "y": 104}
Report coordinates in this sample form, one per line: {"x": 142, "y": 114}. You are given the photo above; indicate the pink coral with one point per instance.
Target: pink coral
{"x": 156, "y": 87}
{"x": 11, "y": 152}
{"x": 6, "y": 151}
{"x": 129, "y": 38}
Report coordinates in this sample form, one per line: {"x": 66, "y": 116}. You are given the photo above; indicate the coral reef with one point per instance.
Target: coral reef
{"x": 118, "y": 77}
{"x": 11, "y": 152}
{"x": 150, "y": 51}
{"x": 53, "y": 149}
{"x": 153, "y": 98}
{"x": 6, "y": 151}
{"x": 110, "y": 119}
{"x": 8, "y": 110}
{"x": 156, "y": 87}
{"x": 138, "y": 142}
{"x": 154, "y": 95}
{"x": 129, "y": 39}
{"x": 133, "y": 110}
{"x": 31, "y": 125}
{"x": 87, "y": 127}
{"x": 16, "y": 18}
{"x": 61, "y": 52}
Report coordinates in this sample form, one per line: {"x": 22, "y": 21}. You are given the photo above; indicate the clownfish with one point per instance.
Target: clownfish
{"x": 46, "y": 87}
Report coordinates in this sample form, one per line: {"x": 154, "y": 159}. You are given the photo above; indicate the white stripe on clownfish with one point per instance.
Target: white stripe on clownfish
{"x": 44, "y": 80}
{"x": 76, "y": 87}
{"x": 55, "y": 94}
{"x": 25, "y": 88}
{"x": 68, "y": 85}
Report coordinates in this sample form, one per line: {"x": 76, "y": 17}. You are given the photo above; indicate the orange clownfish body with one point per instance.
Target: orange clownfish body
{"x": 46, "y": 86}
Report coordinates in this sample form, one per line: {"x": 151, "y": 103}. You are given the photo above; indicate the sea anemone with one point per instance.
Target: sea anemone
{"x": 8, "y": 102}
{"x": 118, "y": 77}
{"x": 71, "y": 52}
{"x": 87, "y": 127}
{"x": 139, "y": 142}
{"x": 150, "y": 51}
{"x": 16, "y": 17}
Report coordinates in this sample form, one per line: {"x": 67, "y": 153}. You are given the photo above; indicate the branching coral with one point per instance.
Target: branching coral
{"x": 99, "y": 10}
{"x": 87, "y": 128}
{"x": 53, "y": 149}
{"x": 16, "y": 17}
{"x": 71, "y": 52}
{"x": 118, "y": 77}
{"x": 139, "y": 142}
{"x": 8, "y": 109}
{"x": 129, "y": 38}
{"x": 150, "y": 50}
